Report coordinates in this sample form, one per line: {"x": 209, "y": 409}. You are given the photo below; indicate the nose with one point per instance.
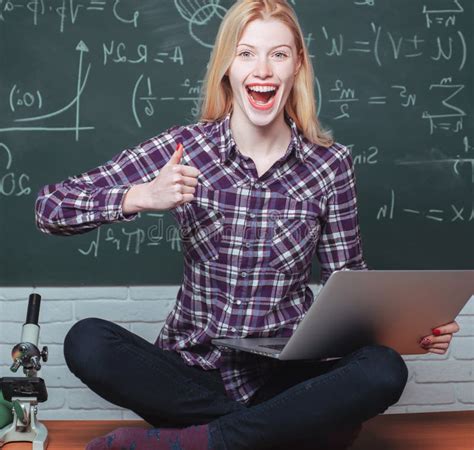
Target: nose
{"x": 263, "y": 68}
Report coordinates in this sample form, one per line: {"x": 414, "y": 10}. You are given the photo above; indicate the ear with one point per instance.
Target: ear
{"x": 298, "y": 64}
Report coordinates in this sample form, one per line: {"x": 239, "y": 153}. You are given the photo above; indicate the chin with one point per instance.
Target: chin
{"x": 261, "y": 120}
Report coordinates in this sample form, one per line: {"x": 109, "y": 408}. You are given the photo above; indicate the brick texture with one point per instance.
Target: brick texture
{"x": 436, "y": 382}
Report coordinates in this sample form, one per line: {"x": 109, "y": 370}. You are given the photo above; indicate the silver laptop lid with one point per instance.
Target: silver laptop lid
{"x": 393, "y": 308}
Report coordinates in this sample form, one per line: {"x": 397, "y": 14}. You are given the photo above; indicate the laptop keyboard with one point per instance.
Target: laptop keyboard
{"x": 274, "y": 346}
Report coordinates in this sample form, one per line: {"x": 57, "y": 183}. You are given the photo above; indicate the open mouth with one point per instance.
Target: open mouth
{"x": 262, "y": 97}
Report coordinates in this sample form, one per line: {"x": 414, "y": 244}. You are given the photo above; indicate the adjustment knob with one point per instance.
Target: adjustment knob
{"x": 44, "y": 353}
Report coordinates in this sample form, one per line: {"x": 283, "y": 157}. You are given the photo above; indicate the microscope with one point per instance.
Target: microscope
{"x": 26, "y": 392}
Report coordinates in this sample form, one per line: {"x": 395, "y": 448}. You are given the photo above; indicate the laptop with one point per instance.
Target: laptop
{"x": 395, "y": 308}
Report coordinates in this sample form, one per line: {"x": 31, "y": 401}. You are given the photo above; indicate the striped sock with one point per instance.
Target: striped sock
{"x": 190, "y": 438}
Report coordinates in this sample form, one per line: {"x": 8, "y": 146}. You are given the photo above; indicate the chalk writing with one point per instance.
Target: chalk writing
{"x": 364, "y": 2}
{"x": 450, "y": 117}
{"x": 73, "y": 105}
{"x": 200, "y": 14}
{"x": 133, "y": 240}
{"x": 69, "y": 11}
{"x": 446, "y": 16}
{"x": 364, "y": 157}
{"x": 118, "y": 53}
{"x": 386, "y": 46}
{"x": 11, "y": 183}
{"x": 146, "y": 102}
{"x": 83, "y": 79}
{"x": 453, "y": 213}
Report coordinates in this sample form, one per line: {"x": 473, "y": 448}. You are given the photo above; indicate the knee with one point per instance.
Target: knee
{"x": 82, "y": 343}
{"x": 387, "y": 372}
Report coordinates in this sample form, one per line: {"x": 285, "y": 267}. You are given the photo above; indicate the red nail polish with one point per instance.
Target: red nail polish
{"x": 436, "y": 332}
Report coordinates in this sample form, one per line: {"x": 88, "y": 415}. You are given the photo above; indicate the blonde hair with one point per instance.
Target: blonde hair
{"x": 301, "y": 103}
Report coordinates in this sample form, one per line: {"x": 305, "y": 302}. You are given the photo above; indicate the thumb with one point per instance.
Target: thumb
{"x": 177, "y": 155}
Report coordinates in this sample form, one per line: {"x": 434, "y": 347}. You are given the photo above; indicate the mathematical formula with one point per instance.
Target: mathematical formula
{"x": 134, "y": 240}
{"x": 12, "y": 183}
{"x": 398, "y": 95}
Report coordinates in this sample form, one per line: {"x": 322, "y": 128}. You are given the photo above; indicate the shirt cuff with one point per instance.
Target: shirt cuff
{"x": 111, "y": 205}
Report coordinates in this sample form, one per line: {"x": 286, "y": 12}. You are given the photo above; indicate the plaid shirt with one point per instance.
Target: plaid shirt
{"x": 248, "y": 241}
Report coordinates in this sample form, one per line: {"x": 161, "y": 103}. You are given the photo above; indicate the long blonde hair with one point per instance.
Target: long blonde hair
{"x": 217, "y": 92}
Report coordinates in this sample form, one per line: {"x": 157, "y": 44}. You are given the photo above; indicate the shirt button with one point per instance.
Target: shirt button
{"x": 257, "y": 185}
{"x": 247, "y": 244}
{"x": 218, "y": 224}
{"x": 233, "y": 330}
{"x": 239, "y": 302}
{"x": 252, "y": 215}
{"x": 244, "y": 274}
{"x": 104, "y": 214}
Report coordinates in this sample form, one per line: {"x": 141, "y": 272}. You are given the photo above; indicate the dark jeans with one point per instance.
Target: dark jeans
{"x": 301, "y": 403}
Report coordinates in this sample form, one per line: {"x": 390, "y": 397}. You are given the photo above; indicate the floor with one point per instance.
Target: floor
{"x": 424, "y": 431}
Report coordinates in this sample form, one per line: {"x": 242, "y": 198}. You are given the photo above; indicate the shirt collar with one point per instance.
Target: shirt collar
{"x": 222, "y": 134}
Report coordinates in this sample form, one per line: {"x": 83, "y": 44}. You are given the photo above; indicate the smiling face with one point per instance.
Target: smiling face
{"x": 263, "y": 71}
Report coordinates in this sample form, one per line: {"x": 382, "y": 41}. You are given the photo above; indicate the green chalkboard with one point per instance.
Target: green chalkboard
{"x": 80, "y": 81}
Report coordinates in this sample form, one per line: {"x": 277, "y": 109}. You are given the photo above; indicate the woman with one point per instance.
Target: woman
{"x": 264, "y": 189}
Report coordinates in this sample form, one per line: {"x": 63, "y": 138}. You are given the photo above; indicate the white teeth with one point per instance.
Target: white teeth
{"x": 262, "y": 88}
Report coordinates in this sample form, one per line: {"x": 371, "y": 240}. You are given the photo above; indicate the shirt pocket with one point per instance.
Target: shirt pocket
{"x": 294, "y": 244}
{"x": 201, "y": 232}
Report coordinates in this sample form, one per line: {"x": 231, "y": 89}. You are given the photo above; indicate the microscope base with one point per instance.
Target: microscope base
{"x": 25, "y": 427}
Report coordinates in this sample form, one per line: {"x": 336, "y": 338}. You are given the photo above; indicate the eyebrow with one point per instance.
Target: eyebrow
{"x": 276, "y": 46}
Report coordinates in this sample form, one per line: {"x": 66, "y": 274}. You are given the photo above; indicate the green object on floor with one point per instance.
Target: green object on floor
{"x": 19, "y": 411}
{"x": 6, "y": 415}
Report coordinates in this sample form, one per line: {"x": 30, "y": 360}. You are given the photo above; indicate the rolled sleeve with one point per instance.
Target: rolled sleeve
{"x": 86, "y": 201}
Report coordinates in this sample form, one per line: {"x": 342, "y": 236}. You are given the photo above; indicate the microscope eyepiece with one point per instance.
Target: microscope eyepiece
{"x": 32, "y": 313}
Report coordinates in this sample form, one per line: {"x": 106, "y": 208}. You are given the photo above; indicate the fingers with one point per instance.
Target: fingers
{"x": 430, "y": 340}
{"x": 440, "y": 348}
{"x": 441, "y": 345}
{"x": 176, "y": 166}
{"x": 182, "y": 189}
{"x": 438, "y": 351}
{"x": 449, "y": 328}
{"x": 185, "y": 198}
{"x": 175, "y": 161}
{"x": 185, "y": 185}
{"x": 443, "y": 338}
{"x": 440, "y": 338}
{"x": 436, "y": 344}
{"x": 439, "y": 341}
{"x": 188, "y": 171}
{"x": 177, "y": 155}
{"x": 187, "y": 190}
{"x": 187, "y": 181}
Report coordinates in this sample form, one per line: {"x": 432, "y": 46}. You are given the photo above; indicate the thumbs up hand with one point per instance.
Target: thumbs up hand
{"x": 173, "y": 186}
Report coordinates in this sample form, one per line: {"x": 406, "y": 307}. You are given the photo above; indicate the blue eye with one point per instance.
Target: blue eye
{"x": 244, "y": 54}
{"x": 282, "y": 55}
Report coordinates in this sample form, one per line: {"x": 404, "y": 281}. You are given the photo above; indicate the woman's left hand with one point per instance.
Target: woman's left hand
{"x": 439, "y": 341}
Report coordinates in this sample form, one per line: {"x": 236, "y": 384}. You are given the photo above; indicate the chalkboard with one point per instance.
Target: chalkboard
{"x": 82, "y": 80}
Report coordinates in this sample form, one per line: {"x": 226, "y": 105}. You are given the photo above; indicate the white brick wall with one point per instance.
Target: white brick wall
{"x": 436, "y": 382}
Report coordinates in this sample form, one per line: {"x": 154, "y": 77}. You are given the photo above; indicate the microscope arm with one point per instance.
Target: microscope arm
{"x": 26, "y": 353}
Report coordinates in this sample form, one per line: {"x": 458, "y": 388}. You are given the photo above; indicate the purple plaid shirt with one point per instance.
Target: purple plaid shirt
{"x": 248, "y": 241}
